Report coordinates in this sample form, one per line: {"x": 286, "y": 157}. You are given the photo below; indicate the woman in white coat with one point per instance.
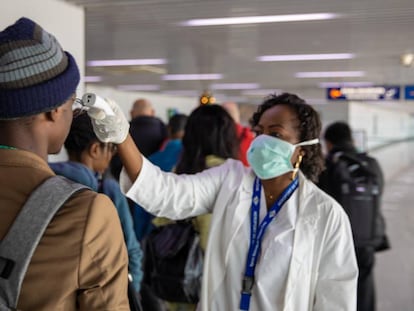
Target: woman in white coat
{"x": 276, "y": 241}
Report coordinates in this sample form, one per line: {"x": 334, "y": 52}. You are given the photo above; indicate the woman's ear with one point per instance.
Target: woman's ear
{"x": 94, "y": 150}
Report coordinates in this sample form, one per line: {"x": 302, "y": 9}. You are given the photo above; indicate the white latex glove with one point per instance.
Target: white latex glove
{"x": 109, "y": 129}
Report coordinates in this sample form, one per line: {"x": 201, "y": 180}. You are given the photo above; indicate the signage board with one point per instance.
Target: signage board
{"x": 409, "y": 92}
{"x": 364, "y": 93}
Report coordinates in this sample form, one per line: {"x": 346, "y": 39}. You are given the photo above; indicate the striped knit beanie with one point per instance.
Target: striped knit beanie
{"x": 36, "y": 75}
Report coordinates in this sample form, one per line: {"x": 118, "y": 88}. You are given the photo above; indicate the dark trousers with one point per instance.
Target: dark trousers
{"x": 366, "y": 288}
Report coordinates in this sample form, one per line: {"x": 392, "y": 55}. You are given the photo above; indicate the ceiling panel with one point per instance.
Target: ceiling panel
{"x": 376, "y": 31}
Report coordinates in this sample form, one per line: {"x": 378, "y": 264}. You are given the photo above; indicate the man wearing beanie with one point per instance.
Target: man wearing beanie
{"x": 81, "y": 260}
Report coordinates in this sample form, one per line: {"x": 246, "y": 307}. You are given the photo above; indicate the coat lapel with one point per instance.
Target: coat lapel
{"x": 242, "y": 210}
{"x": 303, "y": 240}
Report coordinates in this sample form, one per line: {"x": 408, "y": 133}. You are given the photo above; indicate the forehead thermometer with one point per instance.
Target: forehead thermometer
{"x": 91, "y": 100}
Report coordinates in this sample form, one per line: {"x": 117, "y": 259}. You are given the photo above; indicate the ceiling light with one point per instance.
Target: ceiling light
{"x": 90, "y": 79}
{"x": 190, "y": 93}
{"x": 299, "y": 57}
{"x": 235, "y": 86}
{"x": 342, "y": 84}
{"x": 261, "y": 92}
{"x": 258, "y": 19}
{"x": 221, "y": 98}
{"x": 139, "y": 87}
{"x": 407, "y": 59}
{"x": 184, "y": 77}
{"x": 329, "y": 74}
{"x": 126, "y": 62}
{"x": 237, "y": 99}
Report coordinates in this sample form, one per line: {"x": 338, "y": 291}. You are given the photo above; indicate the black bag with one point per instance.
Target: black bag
{"x": 134, "y": 298}
{"x": 357, "y": 189}
{"x": 149, "y": 301}
{"x": 174, "y": 262}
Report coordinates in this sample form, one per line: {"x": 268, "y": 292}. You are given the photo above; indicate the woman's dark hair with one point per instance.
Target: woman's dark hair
{"x": 81, "y": 135}
{"x": 177, "y": 123}
{"x": 210, "y": 130}
{"x": 309, "y": 127}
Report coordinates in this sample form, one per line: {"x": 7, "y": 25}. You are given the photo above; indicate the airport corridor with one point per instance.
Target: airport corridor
{"x": 395, "y": 268}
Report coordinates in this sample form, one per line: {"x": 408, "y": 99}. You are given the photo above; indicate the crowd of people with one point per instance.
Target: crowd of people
{"x": 273, "y": 228}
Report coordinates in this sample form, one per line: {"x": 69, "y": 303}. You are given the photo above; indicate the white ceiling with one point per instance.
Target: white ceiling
{"x": 376, "y": 31}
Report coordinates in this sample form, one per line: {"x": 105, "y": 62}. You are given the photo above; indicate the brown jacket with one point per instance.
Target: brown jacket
{"x": 81, "y": 261}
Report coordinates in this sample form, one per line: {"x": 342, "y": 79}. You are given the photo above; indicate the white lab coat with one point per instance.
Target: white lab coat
{"x": 322, "y": 273}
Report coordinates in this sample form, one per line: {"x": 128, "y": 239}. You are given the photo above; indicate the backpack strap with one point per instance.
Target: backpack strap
{"x": 20, "y": 242}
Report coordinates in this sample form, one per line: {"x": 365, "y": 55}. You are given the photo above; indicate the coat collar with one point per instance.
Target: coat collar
{"x": 243, "y": 208}
{"x": 23, "y": 158}
{"x": 77, "y": 172}
{"x": 304, "y": 230}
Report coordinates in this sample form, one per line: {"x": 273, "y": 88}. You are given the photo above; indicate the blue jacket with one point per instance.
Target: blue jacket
{"x": 166, "y": 159}
{"x": 83, "y": 175}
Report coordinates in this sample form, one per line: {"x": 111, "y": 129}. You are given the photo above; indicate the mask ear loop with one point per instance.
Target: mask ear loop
{"x": 300, "y": 156}
{"x": 308, "y": 142}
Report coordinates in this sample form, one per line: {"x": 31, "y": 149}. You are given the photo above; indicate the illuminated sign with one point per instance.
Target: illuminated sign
{"x": 409, "y": 92}
{"x": 364, "y": 93}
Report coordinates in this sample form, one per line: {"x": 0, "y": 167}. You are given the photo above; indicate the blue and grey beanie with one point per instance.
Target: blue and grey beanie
{"x": 36, "y": 75}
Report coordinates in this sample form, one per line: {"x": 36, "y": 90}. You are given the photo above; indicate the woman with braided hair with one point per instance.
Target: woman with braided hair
{"x": 276, "y": 241}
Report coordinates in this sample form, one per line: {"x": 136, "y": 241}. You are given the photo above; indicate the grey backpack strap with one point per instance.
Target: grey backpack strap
{"x": 17, "y": 247}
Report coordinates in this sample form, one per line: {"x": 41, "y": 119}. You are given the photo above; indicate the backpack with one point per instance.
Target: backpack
{"x": 174, "y": 262}
{"x": 358, "y": 190}
{"x": 20, "y": 242}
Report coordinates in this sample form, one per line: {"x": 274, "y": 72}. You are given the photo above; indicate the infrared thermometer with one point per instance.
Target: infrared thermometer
{"x": 91, "y": 100}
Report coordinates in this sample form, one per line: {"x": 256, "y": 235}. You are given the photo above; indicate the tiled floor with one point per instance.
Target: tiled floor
{"x": 395, "y": 268}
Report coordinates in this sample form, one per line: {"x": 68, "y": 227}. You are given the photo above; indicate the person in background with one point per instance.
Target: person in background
{"x": 141, "y": 107}
{"x": 338, "y": 140}
{"x": 210, "y": 138}
{"x": 88, "y": 160}
{"x": 276, "y": 241}
{"x": 168, "y": 155}
{"x": 166, "y": 158}
{"x": 244, "y": 133}
{"x": 81, "y": 262}
{"x": 147, "y": 131}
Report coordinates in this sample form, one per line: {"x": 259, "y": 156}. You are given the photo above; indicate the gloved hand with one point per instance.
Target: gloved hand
{"x": 109, "y": 129}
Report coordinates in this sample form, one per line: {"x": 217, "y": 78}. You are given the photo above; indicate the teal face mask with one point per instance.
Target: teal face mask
{"x": 271, "y": 157}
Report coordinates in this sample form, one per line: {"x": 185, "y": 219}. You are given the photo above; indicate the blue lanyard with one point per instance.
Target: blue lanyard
{"x": 256, "y": 235}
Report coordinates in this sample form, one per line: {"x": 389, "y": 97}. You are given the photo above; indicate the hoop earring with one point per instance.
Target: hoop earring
{"x": 296, "y": 168}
